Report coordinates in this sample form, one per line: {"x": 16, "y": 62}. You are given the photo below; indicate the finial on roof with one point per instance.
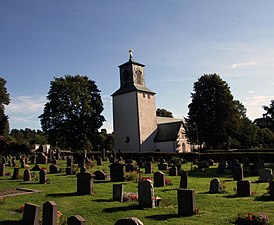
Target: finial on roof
{"x": 130, "y": 54}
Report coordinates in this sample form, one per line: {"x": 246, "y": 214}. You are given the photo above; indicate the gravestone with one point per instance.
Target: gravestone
{"x": 50, "y": 213}
{"x": 99, "y": 161}
{"x": 163, "y": 166}
{"x": 31, "y": 214}
{"x": 22, "y": 162}
{"x": 2, "y": 169}
{"x": 184, "y": 179}
{"x": 266, "y": 175}
{"x": 33, "y": 159}
{"x": 173, "y": 171}
{"x": 146, "y": 197}
{"x": 15, "y": 175}
{"x": 36, "y": 168}
{"x": 42, "y": 176}
{"x": 202, "y": 164}
{"x": 117, "y": 172}
{"x": 85, "y": 183}
{"x": 271, "y": 190}
{"x": 53, "y": 168}
{"x": 159, "y": 179}
{"x": 99, "y": 175}
{"x": 76, "y": 220}
{"x": 186, "y": 202}
{"x": 68, "y": 171}
{"x": 254, "y": 169}
{"x": 246, "y": 163}
{"x": 148, "y": 167}
{"x": 54, "y": 161}
{"x": 243, "y": 188}
{"x": 26, "y": 175}
{"x": 69, "y": 162}
{"x": 41, "y": 158}
{"x": 215, "y": 186}
{"x": 13, "y": 162}
{"x": 210, "y": 162}
{"x": 238, "y": 173}
{"x": 129, "y": 221}
{"x": 117, "y": 192}
{"x": 130, "y": 168}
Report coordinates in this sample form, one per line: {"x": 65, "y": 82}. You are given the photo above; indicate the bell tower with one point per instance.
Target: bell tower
{"x": 134, "y": 110}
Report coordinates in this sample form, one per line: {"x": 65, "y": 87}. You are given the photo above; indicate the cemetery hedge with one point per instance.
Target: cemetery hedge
{"x": 100, "y": 209}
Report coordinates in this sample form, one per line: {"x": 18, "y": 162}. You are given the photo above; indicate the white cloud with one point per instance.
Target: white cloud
{"x": 244, "y": 64}
{"x": 251, "y": 92}
{"x": 254, "y": 105}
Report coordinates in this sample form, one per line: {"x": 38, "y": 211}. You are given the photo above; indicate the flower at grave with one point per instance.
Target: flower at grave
{"x": 20, "y": 209}
{"x": 59, "y": 214}
{"x": 251, "y": 219}
{"x": 168, "y": 181}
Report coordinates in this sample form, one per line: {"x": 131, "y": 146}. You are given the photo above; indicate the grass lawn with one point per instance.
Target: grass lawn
{"x": 99, "y": 208}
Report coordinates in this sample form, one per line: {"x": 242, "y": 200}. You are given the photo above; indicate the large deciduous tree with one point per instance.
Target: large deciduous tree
{"x": 213, "y": 116}
{"x": 72, "y": 115}
{"x": 4, "y": 100}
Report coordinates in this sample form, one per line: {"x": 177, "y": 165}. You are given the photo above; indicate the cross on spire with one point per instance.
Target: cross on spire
{"x": 130, "y": 54}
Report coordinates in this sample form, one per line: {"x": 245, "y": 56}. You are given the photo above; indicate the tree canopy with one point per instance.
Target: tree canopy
{"x": 214, "y": 115}
{"x": 267, "y": 120}
{"x": 72, "y": 115}
{"x": 163, "y": 113}
{"x": 4, "y": 100}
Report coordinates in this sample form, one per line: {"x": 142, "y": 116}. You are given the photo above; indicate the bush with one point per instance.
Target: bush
{"x": 251, "y": 219}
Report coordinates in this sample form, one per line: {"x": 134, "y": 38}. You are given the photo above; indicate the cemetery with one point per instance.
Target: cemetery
{"x": 127, "y": 191}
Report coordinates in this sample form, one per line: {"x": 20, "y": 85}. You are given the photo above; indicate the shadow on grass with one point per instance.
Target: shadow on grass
{"x": 122, "y": 208}
{"x": 101, "y": 181}
{"x": 163, "y": 217}
{"x": 63, "y": 194}
{"x": 23, "y": 183}
{"x": 11, "y": 222}
{"x": 263, "y": 198}
{"x": 230, "y": 196}
{"x": 103, "y": 200}
{"x": 172, "y": 189}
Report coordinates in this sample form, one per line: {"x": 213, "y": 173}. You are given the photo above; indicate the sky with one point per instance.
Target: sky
{"x": 177, "y": 40}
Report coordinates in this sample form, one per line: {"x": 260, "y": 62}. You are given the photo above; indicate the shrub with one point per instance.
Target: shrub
{"x": 251, "y": 219}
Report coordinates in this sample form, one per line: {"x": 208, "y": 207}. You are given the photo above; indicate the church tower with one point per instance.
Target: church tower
{"x": 134, "y": 110}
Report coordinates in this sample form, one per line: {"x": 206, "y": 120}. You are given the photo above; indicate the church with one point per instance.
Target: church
{"x": 135, "y": 124}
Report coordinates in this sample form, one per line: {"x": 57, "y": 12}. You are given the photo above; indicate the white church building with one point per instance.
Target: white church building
{"x": 136, "y": 126}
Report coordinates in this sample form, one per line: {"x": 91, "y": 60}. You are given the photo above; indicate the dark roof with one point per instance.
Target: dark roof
{"x": 168, "y": 131}
{"x": 132, "y": 62}
{"x": 131, "y": 88}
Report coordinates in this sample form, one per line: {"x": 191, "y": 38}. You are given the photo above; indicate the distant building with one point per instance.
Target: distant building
{"x": 136, "y": 126}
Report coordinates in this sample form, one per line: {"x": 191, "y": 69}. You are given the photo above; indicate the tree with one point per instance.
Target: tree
{"x": 72, "y": 115}
{"x": 213, "y": 116}
{"x": 4, "y": 100}
{"x": 163, "y": 113}
{"x": 267, "y": 121}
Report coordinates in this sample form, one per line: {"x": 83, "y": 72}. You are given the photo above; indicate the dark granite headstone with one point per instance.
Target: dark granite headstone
{"x": 85, "y": 183}
{"x": 31, "y": 214}
{"x": 184, "y": 180}
{"x": 76, "y": 220}
{"x": 26, "y": 175}
{"x": 146, "y": 194}
{"x": 148, "y": 167}
{"x": 15, "y": 175}
{"x": 215, "y": 186}
{"x": 99, "y": 175}
{"x": 116, "y": 172}
{"x": 243, "y": 188}
{"x": 50, "y": 213}
{"x": 186, "y": 202}
{"x": 117, "y": 192}
{"x": 159, "y": 179}
{"x": 2, "y": 169}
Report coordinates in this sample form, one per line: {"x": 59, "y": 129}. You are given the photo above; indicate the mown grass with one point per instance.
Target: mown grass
{"x": 99, "y": 208}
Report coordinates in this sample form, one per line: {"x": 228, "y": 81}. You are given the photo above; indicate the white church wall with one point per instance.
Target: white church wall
{"x": 125, "y": 122}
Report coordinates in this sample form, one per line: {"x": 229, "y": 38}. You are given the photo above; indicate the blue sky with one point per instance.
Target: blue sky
{"x": 177, "y": 40}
